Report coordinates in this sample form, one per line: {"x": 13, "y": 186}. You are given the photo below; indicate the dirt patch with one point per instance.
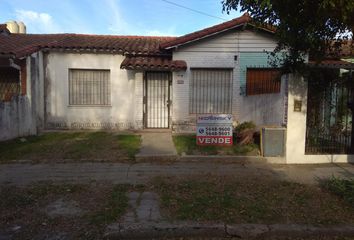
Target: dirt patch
{"x": 63, "y": 208}
{"x": 49, "y": 211}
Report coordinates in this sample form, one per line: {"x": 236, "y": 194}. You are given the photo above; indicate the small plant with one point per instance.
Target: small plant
{"x": 342, "y": 187}
{"x": 244, "y": 133}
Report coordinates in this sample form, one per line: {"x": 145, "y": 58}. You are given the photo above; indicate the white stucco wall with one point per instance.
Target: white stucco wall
{"x": 125, "y": 111}
{"x": 219, "y": 51}
{"x": 296, "y": 129}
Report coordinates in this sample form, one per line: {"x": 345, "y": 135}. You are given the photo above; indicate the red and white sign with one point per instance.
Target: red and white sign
{"x": 214, "y": 129}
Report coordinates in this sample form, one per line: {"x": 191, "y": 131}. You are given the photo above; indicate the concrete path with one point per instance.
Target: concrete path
{"x": 143, "y": 208}
{"x": 311, "y": 173}
{"x": 156, "y": 145}
{"x": 141, "y": 173}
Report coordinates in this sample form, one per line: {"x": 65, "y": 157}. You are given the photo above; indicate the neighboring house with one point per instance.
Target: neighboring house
{"x": 77, "y": 81}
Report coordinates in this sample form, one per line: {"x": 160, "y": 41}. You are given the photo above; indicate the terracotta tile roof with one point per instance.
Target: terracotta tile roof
{"x": 21, "y": 45}
{"x": 3, "y": 29}
{"x": 347, "y": 49}
{"x": 332, "y": 63}
{"x": 152, "y": 63}
{"x": 234, "y": 23}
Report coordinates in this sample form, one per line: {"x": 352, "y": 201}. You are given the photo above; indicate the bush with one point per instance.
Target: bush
{"x": 244, "y": 125}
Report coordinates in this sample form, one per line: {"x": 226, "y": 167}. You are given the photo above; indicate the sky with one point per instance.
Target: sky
{"x": 114, "y": 17}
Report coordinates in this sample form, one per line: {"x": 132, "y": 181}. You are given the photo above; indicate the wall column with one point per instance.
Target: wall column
{"x": 296, "y": 126}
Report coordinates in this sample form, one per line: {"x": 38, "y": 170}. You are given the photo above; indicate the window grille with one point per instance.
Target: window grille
{"x": 89, "y": 87}
{"x": 262, "y": 81}
{"x": 210, "y": 91}
{"x": 9, "y": 83}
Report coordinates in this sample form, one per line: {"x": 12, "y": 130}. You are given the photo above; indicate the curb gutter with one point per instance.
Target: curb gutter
{"x": 241, "y": 231}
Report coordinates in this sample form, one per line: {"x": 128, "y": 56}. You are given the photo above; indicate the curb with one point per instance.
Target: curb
{"x": 159, "y": 157}
{"x": 201, "y": 158}
{"x": 246, "y": 231}
{"x": 240, "y": 231}
{"x": 227, "y": 159}
{"x": 164, "y": 230}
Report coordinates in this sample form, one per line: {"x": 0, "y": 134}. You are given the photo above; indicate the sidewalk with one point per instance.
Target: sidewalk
{"x": 156, "y": 146}
{"x": 140, "y": 173}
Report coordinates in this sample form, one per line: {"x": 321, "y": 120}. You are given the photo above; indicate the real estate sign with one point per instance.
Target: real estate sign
{"x": 214, "y": 129}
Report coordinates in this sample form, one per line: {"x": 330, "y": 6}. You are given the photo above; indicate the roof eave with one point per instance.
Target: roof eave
{"x": 9, "y": 62}
{"x": 7, "y": 55}
{"x": 102, "y": 50}
{"x": 149, "y": 68}
{"x": 218, "y": 32}
{"x": 206, "y": 36}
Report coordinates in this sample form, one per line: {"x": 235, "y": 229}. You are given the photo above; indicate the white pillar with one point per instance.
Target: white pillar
{"x": 296, "y": 126}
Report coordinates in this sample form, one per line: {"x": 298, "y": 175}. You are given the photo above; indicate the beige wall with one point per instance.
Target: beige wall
{"x": 125, "y": 111}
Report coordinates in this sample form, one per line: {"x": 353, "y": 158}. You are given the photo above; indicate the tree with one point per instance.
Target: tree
{"x": 302, "y": 26}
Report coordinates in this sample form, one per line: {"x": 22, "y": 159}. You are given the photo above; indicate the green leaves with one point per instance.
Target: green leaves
{"x": 302, "y": 26}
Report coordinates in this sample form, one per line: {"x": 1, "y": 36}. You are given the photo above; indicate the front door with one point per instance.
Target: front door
{"x": 157, "y": 95}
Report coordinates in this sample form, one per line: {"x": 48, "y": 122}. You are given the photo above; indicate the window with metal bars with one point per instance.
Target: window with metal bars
{"x": 262, "y": 81}
{"x": 89, "y": 87}
{"x": 210, "y": 91}
{"x": 9, "y": 83}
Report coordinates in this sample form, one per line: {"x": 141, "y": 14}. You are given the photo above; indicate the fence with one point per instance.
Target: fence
{"x": 329, "y": 115}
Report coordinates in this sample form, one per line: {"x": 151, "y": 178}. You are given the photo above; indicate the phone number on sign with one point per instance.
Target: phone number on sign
{"x": 218, "y": 133}
{"x": 218, "y": 129}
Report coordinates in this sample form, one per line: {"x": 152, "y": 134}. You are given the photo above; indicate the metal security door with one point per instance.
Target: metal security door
{"x": 157, "y": 94}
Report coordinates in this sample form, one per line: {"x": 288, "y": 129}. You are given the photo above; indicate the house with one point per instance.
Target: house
{"x": 77, "y": 81}
{"x": 133, "y": 82}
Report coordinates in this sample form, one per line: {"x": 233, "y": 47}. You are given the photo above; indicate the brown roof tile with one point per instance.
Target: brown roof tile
{"x": 4, "y": 30}
{"x": 3, "y": 27}
{"x": 334, "y": 63}
{"x": 21, "y": 45}
{"x": 347, "y": 50}
{"x": 152, "y": 63}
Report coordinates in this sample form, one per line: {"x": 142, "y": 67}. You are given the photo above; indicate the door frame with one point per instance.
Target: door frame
{"x": 145, "y": 99}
